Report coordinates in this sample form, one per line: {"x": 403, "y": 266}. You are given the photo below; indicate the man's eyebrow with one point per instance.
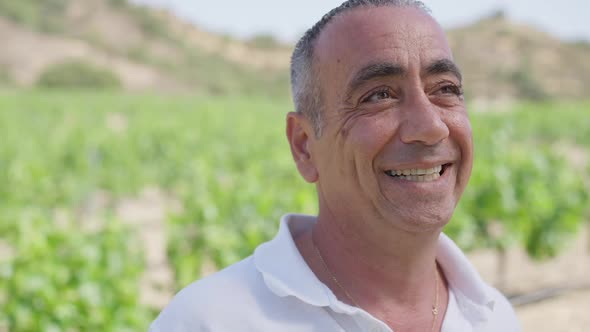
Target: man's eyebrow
{"x": 373, "y": 71}
{"x": 443, "y": 66}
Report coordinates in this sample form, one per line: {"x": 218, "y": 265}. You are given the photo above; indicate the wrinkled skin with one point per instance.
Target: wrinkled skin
{"x": 412, "y": 118}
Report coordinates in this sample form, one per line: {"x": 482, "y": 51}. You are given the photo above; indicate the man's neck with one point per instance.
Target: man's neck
{"x": 384, "y": 270}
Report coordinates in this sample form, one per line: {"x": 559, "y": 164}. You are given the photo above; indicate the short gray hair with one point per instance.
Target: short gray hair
{"x": 306, "y": 90}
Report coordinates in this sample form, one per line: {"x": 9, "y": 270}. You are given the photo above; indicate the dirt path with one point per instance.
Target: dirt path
{"x": 147, "y": 213}
{"x": 566, "y": 313}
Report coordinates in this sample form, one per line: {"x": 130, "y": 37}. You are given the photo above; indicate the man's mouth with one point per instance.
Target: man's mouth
{"x": 418, "y": 174}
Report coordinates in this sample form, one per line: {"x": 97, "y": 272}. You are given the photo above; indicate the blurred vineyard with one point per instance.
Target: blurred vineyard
{"x": 71, "y": 258}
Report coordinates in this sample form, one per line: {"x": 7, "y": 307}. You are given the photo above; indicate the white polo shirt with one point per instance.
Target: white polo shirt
{"x": 274, "y": 290}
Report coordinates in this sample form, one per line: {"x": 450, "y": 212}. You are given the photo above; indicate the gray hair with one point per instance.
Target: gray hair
{"x": 307, "y": 94}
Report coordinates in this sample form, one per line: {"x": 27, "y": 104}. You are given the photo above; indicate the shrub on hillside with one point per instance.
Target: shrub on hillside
{"x": 264, "y": 41}
{"x": 78, "y": 74}
{"x": 39, "y": 15}
{"x": 526, "y": 86}
{"x": 6, "y": 78}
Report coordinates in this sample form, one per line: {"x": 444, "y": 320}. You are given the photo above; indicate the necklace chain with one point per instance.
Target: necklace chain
{"x": 435, "y": 305}
{"x": 333, "y": 277}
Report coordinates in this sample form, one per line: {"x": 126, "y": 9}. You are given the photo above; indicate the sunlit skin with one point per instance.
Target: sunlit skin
{"x": 392, "y": 100}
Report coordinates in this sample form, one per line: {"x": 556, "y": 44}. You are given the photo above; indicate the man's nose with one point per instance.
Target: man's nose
{"x": 422, "y": 122}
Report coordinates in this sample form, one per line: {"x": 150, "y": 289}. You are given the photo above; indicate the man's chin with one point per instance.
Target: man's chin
{"x": 424, "y": 220}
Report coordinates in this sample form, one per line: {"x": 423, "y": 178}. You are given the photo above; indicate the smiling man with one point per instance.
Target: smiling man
{"x": 382, "y": 130}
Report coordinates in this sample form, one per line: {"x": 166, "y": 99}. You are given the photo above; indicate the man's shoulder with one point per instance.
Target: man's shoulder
{"x": 474, "y": 293}
{"x": 504, "y": 317}
{"x": 199, "y": 305}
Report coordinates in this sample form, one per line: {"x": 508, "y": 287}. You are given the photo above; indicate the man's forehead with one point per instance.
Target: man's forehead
{"x": 381, "y": 32}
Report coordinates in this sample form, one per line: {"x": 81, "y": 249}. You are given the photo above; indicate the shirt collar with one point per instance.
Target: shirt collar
{"x": 284, "y": 270}
{"x": 473, "y": 295}
{"x": 286, "y": 273}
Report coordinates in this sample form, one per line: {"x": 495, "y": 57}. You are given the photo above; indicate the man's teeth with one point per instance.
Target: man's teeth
{"x": 418, "y": 174}
{"x": 420, "y": 178}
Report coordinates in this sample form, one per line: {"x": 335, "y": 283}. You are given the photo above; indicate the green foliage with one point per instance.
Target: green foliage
{"x": 582, "y": 44}
{"x": 40, "y": 15}
{"x": 527, "y": 87}
{"x": 264, "y": 41}
{"x": 61, "y": 276}
{"x": 550, "y": 122}
{"x": 522, "y": 190}
{"x": 119, "y": 3}
{"x": 227, "y": 162}
{"x": 151, "y": 24}
{"x": 211, "y": 74}
{"x": 6, "y": 78}
{"x": 78, "y": 74}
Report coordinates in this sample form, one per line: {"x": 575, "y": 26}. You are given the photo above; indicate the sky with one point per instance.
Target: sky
{"x": 288, "y": 19}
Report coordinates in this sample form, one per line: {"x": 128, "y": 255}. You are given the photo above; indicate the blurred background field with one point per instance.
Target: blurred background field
{"x": 139, "y": 152}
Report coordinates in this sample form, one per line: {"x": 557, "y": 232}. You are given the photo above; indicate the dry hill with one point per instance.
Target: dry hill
{"x": 504, "y": 60}
{"x": 148, "y": 49}
{"x": 154, "y": 50}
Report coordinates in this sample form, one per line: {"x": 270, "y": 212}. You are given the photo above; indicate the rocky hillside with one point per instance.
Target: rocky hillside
{"x": 504, "y": 60}
{"x": 148, "y": 49}
{"x": 153, "y": 50}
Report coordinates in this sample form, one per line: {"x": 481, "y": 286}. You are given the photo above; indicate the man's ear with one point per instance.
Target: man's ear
{"x": 300, "y": 133}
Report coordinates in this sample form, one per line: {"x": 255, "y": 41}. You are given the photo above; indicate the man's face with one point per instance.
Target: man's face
{"x": 393, "y": 105}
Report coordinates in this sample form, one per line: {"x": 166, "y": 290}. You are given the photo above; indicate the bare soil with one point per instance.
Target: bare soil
{"x": 564, "y": 313}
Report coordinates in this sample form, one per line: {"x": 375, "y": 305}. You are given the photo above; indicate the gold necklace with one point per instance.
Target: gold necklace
{"x": 333, "y": 277}
{"x": 435, "y": 305}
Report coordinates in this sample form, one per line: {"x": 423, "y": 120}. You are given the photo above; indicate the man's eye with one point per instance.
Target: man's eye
{"x": 451, "y": 90}
{"x": 377, "y": 96}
